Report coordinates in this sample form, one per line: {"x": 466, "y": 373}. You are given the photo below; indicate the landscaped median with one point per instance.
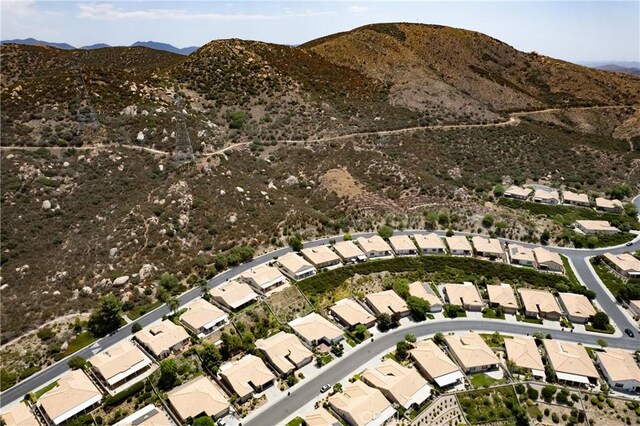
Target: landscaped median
{"x": 443, "y": 268}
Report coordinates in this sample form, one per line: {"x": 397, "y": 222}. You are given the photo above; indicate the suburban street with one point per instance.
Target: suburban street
{"x": 335, "y": 371}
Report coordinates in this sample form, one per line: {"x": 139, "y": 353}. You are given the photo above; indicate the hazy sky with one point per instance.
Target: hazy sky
{"x": 571, "y": 30}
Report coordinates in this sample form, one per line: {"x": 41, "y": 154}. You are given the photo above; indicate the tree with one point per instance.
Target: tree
{"x": 532, "y": 393}
{"x": 544, "y": 237}
{"x": 419, "y": 308}
{"x": 204, "y": 421}
{"x": 402, "y": 350}
{"x": 295, "y": 242}
{"x": 600, "y": 321}
{"x": 430, "y": 219}
{"x": 603, "y": 343}
{"x": 169, "y": 282}
{"x": 443, "y": 218}
{"x": 385, "y": 231}
{"x": 347, "y": 237}
{"x": 106, "y": 318}
{"x": 76, "y": 363}
{"x": 231, "y": 345}
{"x": 211, "y": 357}
{"x": 498, "y": 190}
{"x": 411, "y": 338}
{"x": 337, "y": 388}
{"x": 449, "y": 232}
{"x": 384, "y": 321}
{"x": 173, "y": 304}
{"x": 438, "y": 338}
{"x": 401, "y": 286}
{"x": 548, "y": 392}
{"x": 203, "y": 285}
{"x": 451, "y": 311}
{"x": 168, "y": 373}
{"x": 487, "y": 221}
{"x": 135, "y": 327}
{"x": 360, "y": 331}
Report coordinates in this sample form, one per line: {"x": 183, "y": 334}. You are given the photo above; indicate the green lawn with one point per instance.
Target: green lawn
{"x": 610, "y": 329}
{"x": 491, "y": 314}
{"x": 141, "y": 310}
{"x": 529, "y": 320}
{"x": 481, "y": 380}
{"x": 80, "y": 341}
{"x": 569, "y": 270}
{"x": 489, "y": 405}
{"x": 44, "y": 390}
{"x": 298, "y": 421}
{"x": 326, "y": 359}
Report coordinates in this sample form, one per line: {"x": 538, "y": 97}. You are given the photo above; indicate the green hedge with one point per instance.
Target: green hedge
{"x": 469, "y": 269}
{"x": 125, "y": 394}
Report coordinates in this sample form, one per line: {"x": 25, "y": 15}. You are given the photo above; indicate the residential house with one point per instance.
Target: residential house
{"x": 19, "y": 415}
{"x": 314, "y": 329}
{"x": 523, "y": 352}
{"x": 546, "y": 197}
{"x": 590, "y": 227}
{"x": 234, "y": 295}
{"x": 201, "y": 317}
{"x": 351, "y": 313}
{"x": 430, "y": 243}
{"x": 374, "y": 247}
{"x": 119, "y": 364}
{"x": 626, "y": 264}
{"x": 321, "y": 417}
{"x": 387, "y": 302}
{"x": 577, "y": 306}
{"x": 199, "y": 396}
{"x": 74, "y": 395}
{"x": 285, "y": 352}
{"x": 620, "y": 369}
{"x": 247, "y": 375}
{"x": 435, "y": 364}
{"x": 465, "y": 295}
{"x": 399, "y": 384}
{"x": 571, "y": 362}
{"x": 518, "y": 192}
{"x": 321, "y": 257}
{"x": 459, "y": 245}
{"x": 361, "y": 405}
{"x": 349, "y": 252}
{"x": 634, "y": 306}
{"x": 471, "y": 352}
{"x": 606, "y": 205}
{"x": 548, "y": 260}
{"x": 521, "y": 255}
{"x": 149, "y": 415}
{"x": 487, "y": 247}
{"x": 162, "y": 339}
{"x": 575, "y": 199}
{"x": 540, "y": 304}
{"x": 264, "y": 278}
{"x": 295, "y": 267}
{"x": 502, "y": 295}
{"x": 403, "y": 245}
{"x": 424, "y": 291}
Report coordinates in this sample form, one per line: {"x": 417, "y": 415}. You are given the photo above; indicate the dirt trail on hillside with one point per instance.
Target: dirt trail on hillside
{"x": 514, "y": 120}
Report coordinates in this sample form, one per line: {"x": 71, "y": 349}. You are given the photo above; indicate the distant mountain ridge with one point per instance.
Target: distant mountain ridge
{"x": 65, "y": 46}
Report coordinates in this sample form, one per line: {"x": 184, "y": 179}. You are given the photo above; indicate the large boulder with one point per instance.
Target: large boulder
{"x": 121, "y": 280}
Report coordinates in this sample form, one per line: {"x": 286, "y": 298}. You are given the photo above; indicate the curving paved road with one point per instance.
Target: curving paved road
{"x": 578, "y": 257}
{"x": 336, "y": 371}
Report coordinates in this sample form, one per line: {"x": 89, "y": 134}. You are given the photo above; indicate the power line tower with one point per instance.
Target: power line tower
{"x": 184, "y": 150}
{"x": 86, "y": 114}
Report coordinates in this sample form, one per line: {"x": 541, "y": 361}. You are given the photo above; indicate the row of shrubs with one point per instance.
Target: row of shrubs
{"x": 327, "y": 281}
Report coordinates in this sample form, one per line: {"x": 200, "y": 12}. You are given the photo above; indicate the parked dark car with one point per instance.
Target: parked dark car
{"x": 629, "y": 332}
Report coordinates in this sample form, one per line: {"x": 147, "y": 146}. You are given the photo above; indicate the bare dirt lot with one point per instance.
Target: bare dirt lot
{"x": 289, "y": 304}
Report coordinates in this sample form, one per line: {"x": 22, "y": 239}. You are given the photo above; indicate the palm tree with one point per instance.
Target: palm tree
{"x": 204, "y": 287}
{"x": 173, "y": 304}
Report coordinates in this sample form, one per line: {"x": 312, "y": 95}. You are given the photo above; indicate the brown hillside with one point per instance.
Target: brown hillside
{"x": 421, "y": 61}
